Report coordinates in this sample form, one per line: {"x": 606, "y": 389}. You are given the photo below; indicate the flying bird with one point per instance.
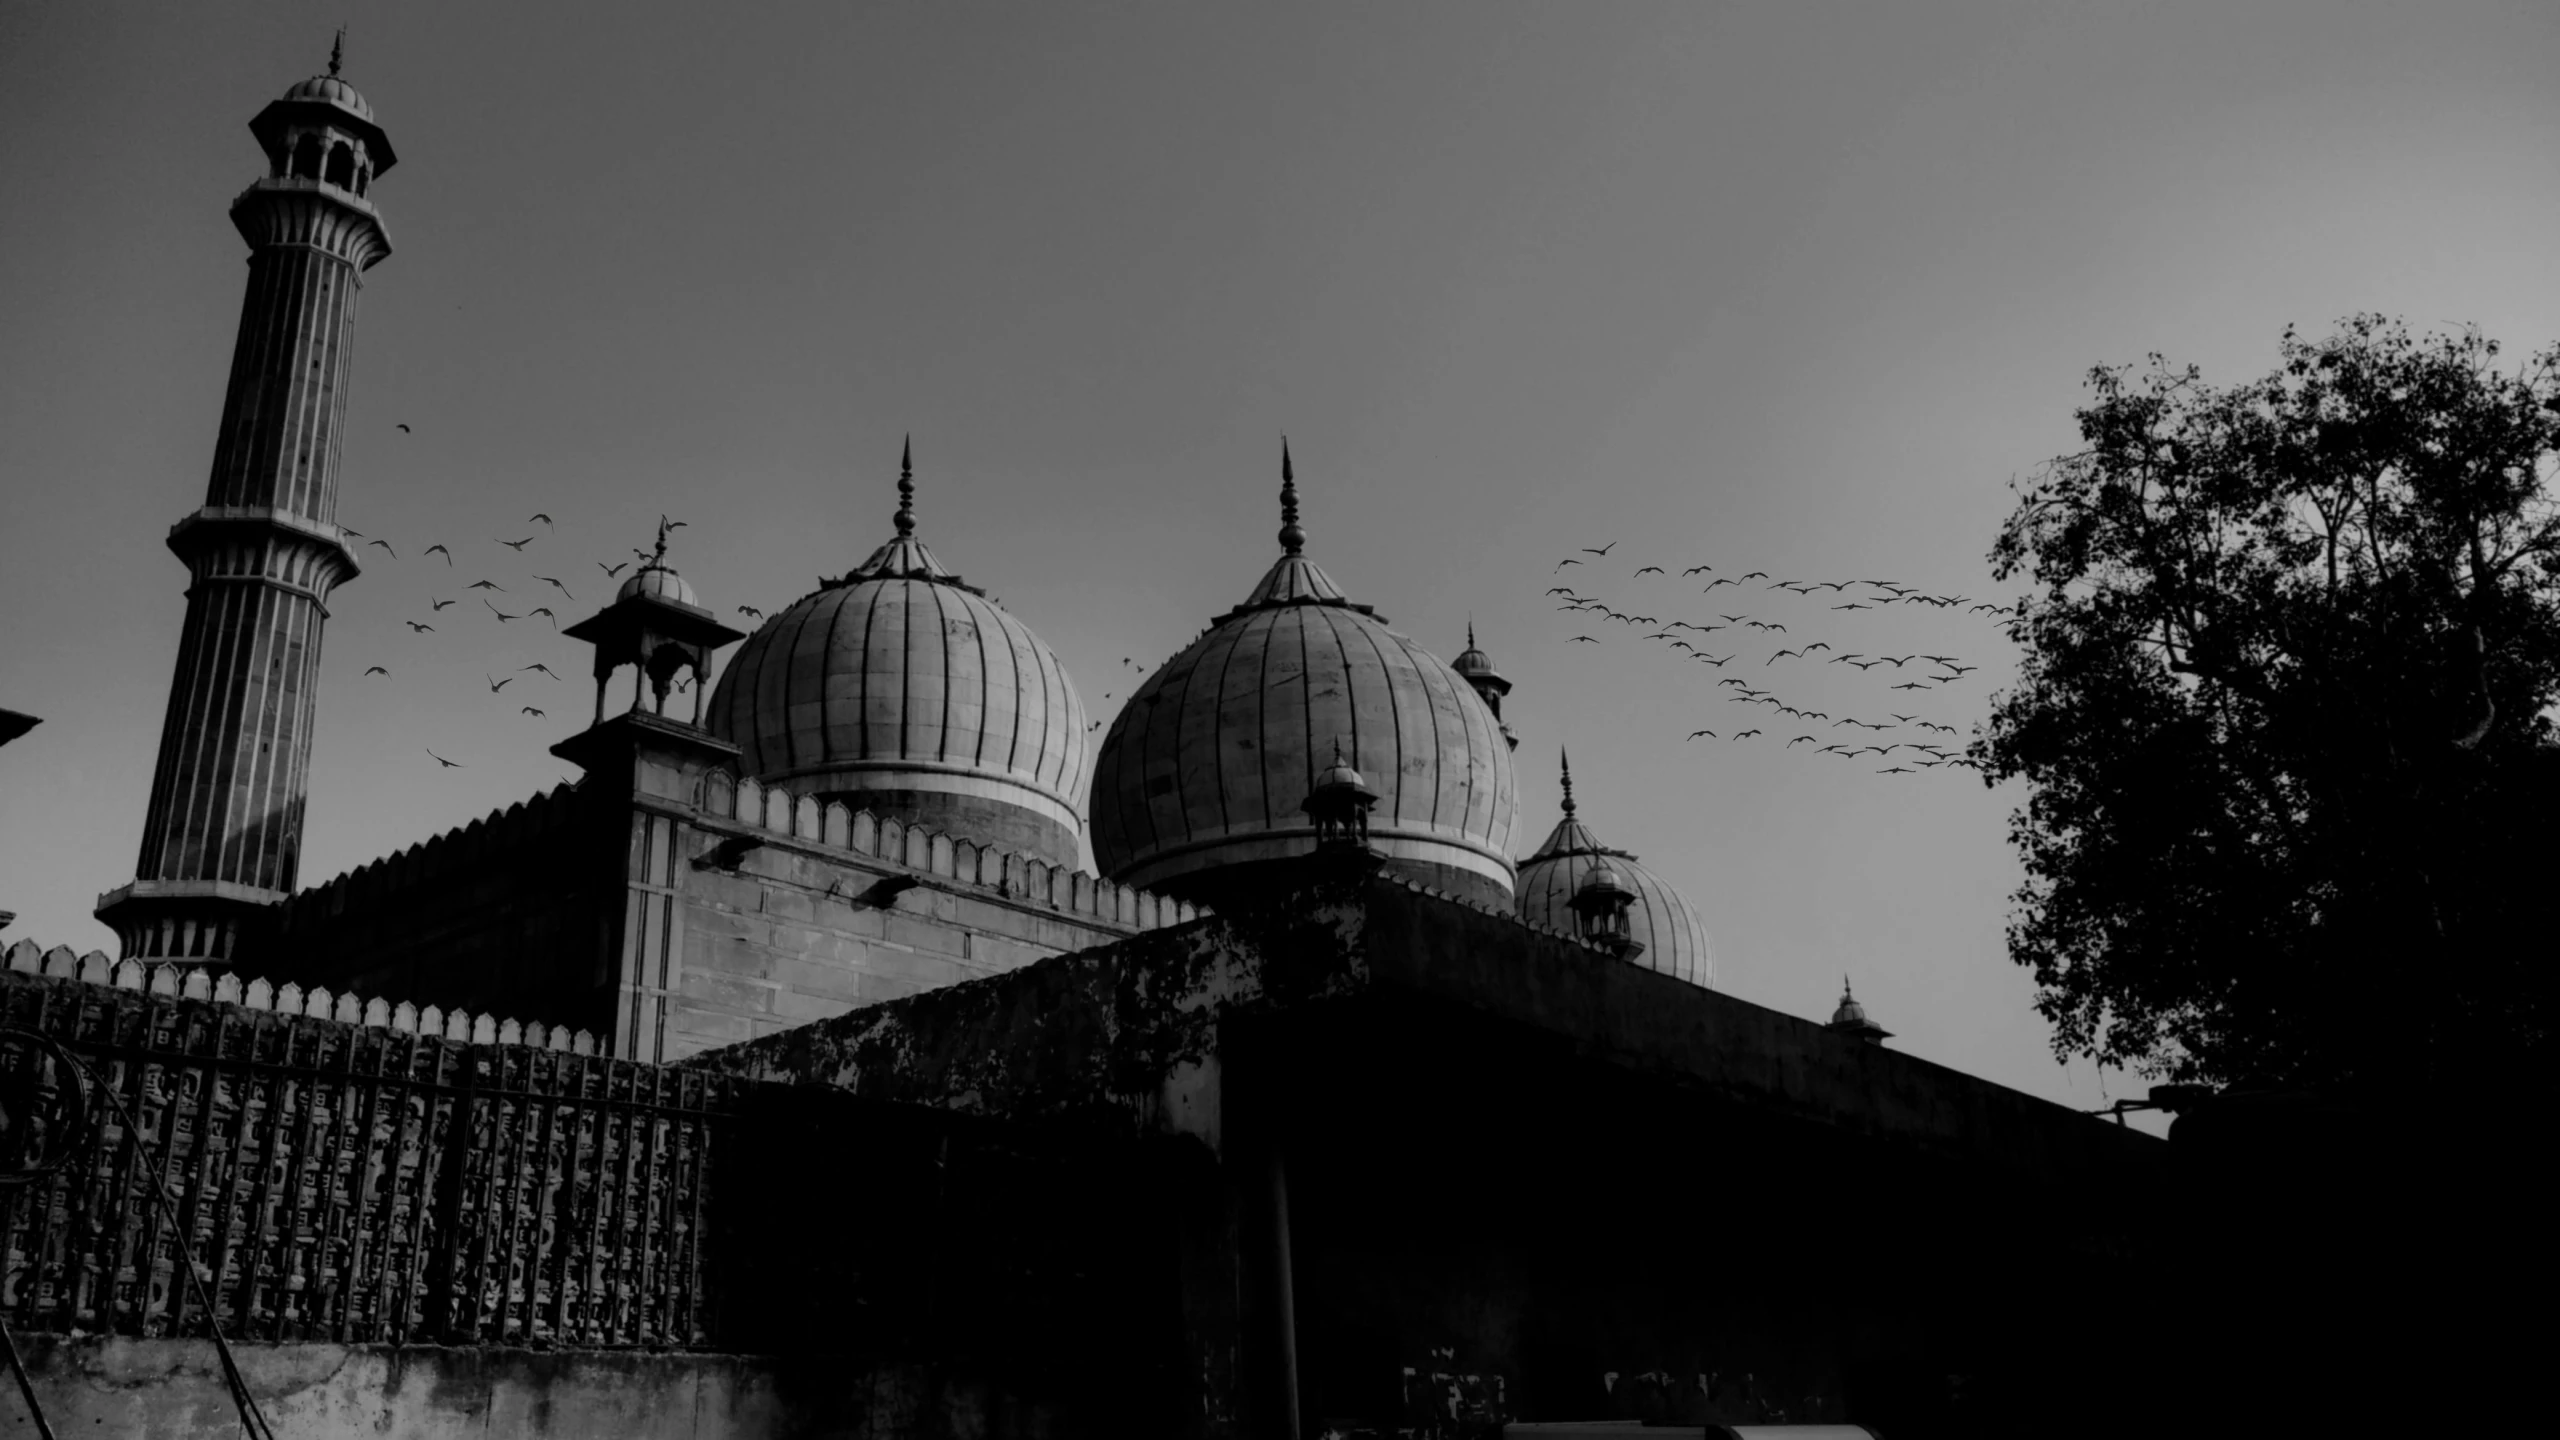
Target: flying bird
{"x": 486, "y": 585}
{"x": 404, "y": 429}
{"x": 529, "y": 710}
{"x": 375, "y": 670}
{"x": 1912, "y": 685}
{"x": 448, "y": 764}
{"x": 1744, "y": 734}
{"x": 1898, "y": 770}
{"x": 517, "y": 544}
{"x": 537, "y": 515}
{"x": 1586, "y": 640}
{"x": 1564, "y": 590}
{"x": 545, "y": 612}
{"x": 1648, "y": 570}
{"x": 496, "y": 685}
{"x": 439, "y": 550}
{"x": 435, "y": 604}
{"x": 1603, "y": 551}
{"x": 385, "y": 547}
{"x": 503, "y": 616}
{"x": 1697, "y": 570}
{"x": 1710, "y": 734}
{"x": 612, "y": 570}
{"x": 1712, "y": 584}
{"x": 1853, "y": 605}
{"x": 1781, "y": 655}
{"x": 1563, "y": 563}
{"x": 415, "y": 627}
{"x": 1757, "y": 575}
{"x": 751, "y": 611}
{"x": 554, "y": 584}
{"x": 537, "y": 666}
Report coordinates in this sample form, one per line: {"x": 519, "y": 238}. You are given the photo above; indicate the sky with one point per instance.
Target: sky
{"x": 1801, "y": 288}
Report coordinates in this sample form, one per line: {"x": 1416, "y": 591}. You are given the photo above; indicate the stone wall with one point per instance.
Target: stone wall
{"x": 174, "y": 1390}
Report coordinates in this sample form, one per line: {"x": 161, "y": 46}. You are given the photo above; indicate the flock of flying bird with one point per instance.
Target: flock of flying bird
{"x": 1918, "y": 672}
{"x": 437, "y": 605}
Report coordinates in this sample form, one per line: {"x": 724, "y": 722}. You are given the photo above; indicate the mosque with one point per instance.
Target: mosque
{"x": 1411, "y": 1119}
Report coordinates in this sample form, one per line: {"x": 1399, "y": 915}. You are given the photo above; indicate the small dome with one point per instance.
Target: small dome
{"x": 901, "y": 689}
{"x": 1209, "y": 764}
{"x": 661, "y": 582}
{"x": 1601, "y": 880}
{"x": 1850, "y": 1011}
{"x": 1475, "y": 664}
{"x": 330, "y": 90}
{"x": 1674, "y": 939}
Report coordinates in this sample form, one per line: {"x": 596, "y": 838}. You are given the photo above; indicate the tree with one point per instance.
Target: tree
{"x": 2283, "y": 716}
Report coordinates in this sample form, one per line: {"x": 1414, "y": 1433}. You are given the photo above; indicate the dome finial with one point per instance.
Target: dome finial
{"x": 1292, "y": 538}
{"x": 1568, "y": 780}
{"x": 1471, "y": 632}
{"x": 907, "y": 487}
{"x": 338, "y": 52}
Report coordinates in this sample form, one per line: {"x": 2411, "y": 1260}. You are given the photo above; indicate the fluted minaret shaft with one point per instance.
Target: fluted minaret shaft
{"x": 221, "y": 840}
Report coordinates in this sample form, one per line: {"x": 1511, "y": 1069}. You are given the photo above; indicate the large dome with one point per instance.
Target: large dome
{"x": 901, "y": 689}
{"x": 1675, "y": 941}
{"x": 1207, "y": 766}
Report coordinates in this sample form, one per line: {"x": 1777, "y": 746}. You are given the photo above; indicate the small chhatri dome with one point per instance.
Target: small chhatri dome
{"x": 903, "y": 689}
{"x": 657, "y": 580}
{"x": 1204, "y": 774}
{"x": 1851, "y": 1018}
{"x": 329, "y": 89}
{"x": 1674, "y": 939}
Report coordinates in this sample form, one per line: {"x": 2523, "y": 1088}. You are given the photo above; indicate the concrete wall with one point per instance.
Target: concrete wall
{"x": 175, "y": 1389}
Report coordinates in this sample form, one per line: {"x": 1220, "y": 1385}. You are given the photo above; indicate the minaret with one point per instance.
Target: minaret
{"x": 222, "y": 839}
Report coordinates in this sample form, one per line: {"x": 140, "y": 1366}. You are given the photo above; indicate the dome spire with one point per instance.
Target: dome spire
{"x": 337, "y": 52}
{"x": 1568, "y": 781}
{"x": 1293, "y": 540}
{"x": 907, "y": 486}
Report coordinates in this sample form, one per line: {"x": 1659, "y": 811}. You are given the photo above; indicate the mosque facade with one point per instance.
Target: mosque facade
{"x": 1364, "y": 1104}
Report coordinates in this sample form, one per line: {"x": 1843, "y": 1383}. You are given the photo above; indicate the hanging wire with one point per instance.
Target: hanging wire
{"x": 253, "y": 1423}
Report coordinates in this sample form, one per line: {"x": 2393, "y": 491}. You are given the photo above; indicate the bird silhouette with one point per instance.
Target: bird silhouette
{"x": 1712, "y": 584}
{"x": 1648, "y": 570}
{"x": 1800, "y": 740}
{"x": 1603, "y": 551}
{"x": 1585, "y": 639}
{"x": 518, "y": 545}
{"x": 438, "y": 550}
{"x": 1710, "y": 734}
{"x": 545, "y": 612}
{"x": 448, "y": 764}
{"x": 1744, "y": 734}
{"x": 416, "y": 627}
{"x": 1905, "y": 719}
{"x": 1912, "y": 685}
{"x": 404, "y": 429}
{"x": 375, "y": 670}
{"x": 1563, "y": 563}
{"x": 538, "y": 667}
{"x": 1816, "y": 645}
{"x": 1757, "y": 575}
{"x": 529, "y": 710}
{"x": 537, "y": 515}
{"x": 1781, "y": 655}
{"x": 435, "y": 604}
{"x": 1897, "y": 770}
{"x": 496, "y": 684}
{"x": 503, "y": 616}
{"x": 556, "y": 585}
{"x": 385, "y": 547}
{"x": 486, "y": 585}
{"x": 751, "y": 612}
{"x": 1853, "y": 605}
{"x": 1715, "y": 660}
{"x": 1697, "y": 570}
{"x": 612, "y": 570}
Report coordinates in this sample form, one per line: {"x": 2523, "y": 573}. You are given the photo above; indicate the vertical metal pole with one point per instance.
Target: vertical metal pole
{"x": 1284, "y": 1292}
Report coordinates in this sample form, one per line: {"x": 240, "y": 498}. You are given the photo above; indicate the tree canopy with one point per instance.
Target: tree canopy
{"x": 2283, "y": 715}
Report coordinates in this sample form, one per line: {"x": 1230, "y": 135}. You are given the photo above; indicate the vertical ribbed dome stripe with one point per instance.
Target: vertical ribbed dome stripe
{"x": 1205, "y": 751}
{"x": 1373, "y": 725}
{"x": 1246, "y": 797}
{"x": 826, "y": 709}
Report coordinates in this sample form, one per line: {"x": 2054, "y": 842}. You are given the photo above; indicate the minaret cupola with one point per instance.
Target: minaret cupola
{"x": 1476, "y": 668}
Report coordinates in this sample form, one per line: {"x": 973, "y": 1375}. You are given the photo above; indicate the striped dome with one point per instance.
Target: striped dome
{"x": 1208, "y": 765}
{"x": 656, "y": 579}
{"x": 1675, "y": 941}
{"x": 902, "y": 689}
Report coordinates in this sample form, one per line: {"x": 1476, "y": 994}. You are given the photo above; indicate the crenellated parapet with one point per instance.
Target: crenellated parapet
{"x": 831, "y": 823}
{"x": 498, "y": 835}
{"x": 194, "y": 982}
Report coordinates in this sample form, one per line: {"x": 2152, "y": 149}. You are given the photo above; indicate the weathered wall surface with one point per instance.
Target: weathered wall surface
{"x": 175, "y": 1389}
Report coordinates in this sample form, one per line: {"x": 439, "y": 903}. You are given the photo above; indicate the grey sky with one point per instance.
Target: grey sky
{"x": 1787, "y": 287}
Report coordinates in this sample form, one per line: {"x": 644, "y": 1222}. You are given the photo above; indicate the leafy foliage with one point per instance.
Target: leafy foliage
{"x": 2290, "y": 650}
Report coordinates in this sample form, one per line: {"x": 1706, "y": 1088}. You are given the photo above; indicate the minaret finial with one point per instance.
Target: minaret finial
{"x": 1471, "y": 632}
{"x": 338, "y": 52}
{"x": 907, "y": 487}
{"x": 1568, "y": 782}
{"x": 1292, "y": 538}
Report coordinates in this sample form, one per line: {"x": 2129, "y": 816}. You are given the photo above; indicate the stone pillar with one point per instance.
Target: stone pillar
{"x": 651, "y": 769}
{"x": 222, "y": 838}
